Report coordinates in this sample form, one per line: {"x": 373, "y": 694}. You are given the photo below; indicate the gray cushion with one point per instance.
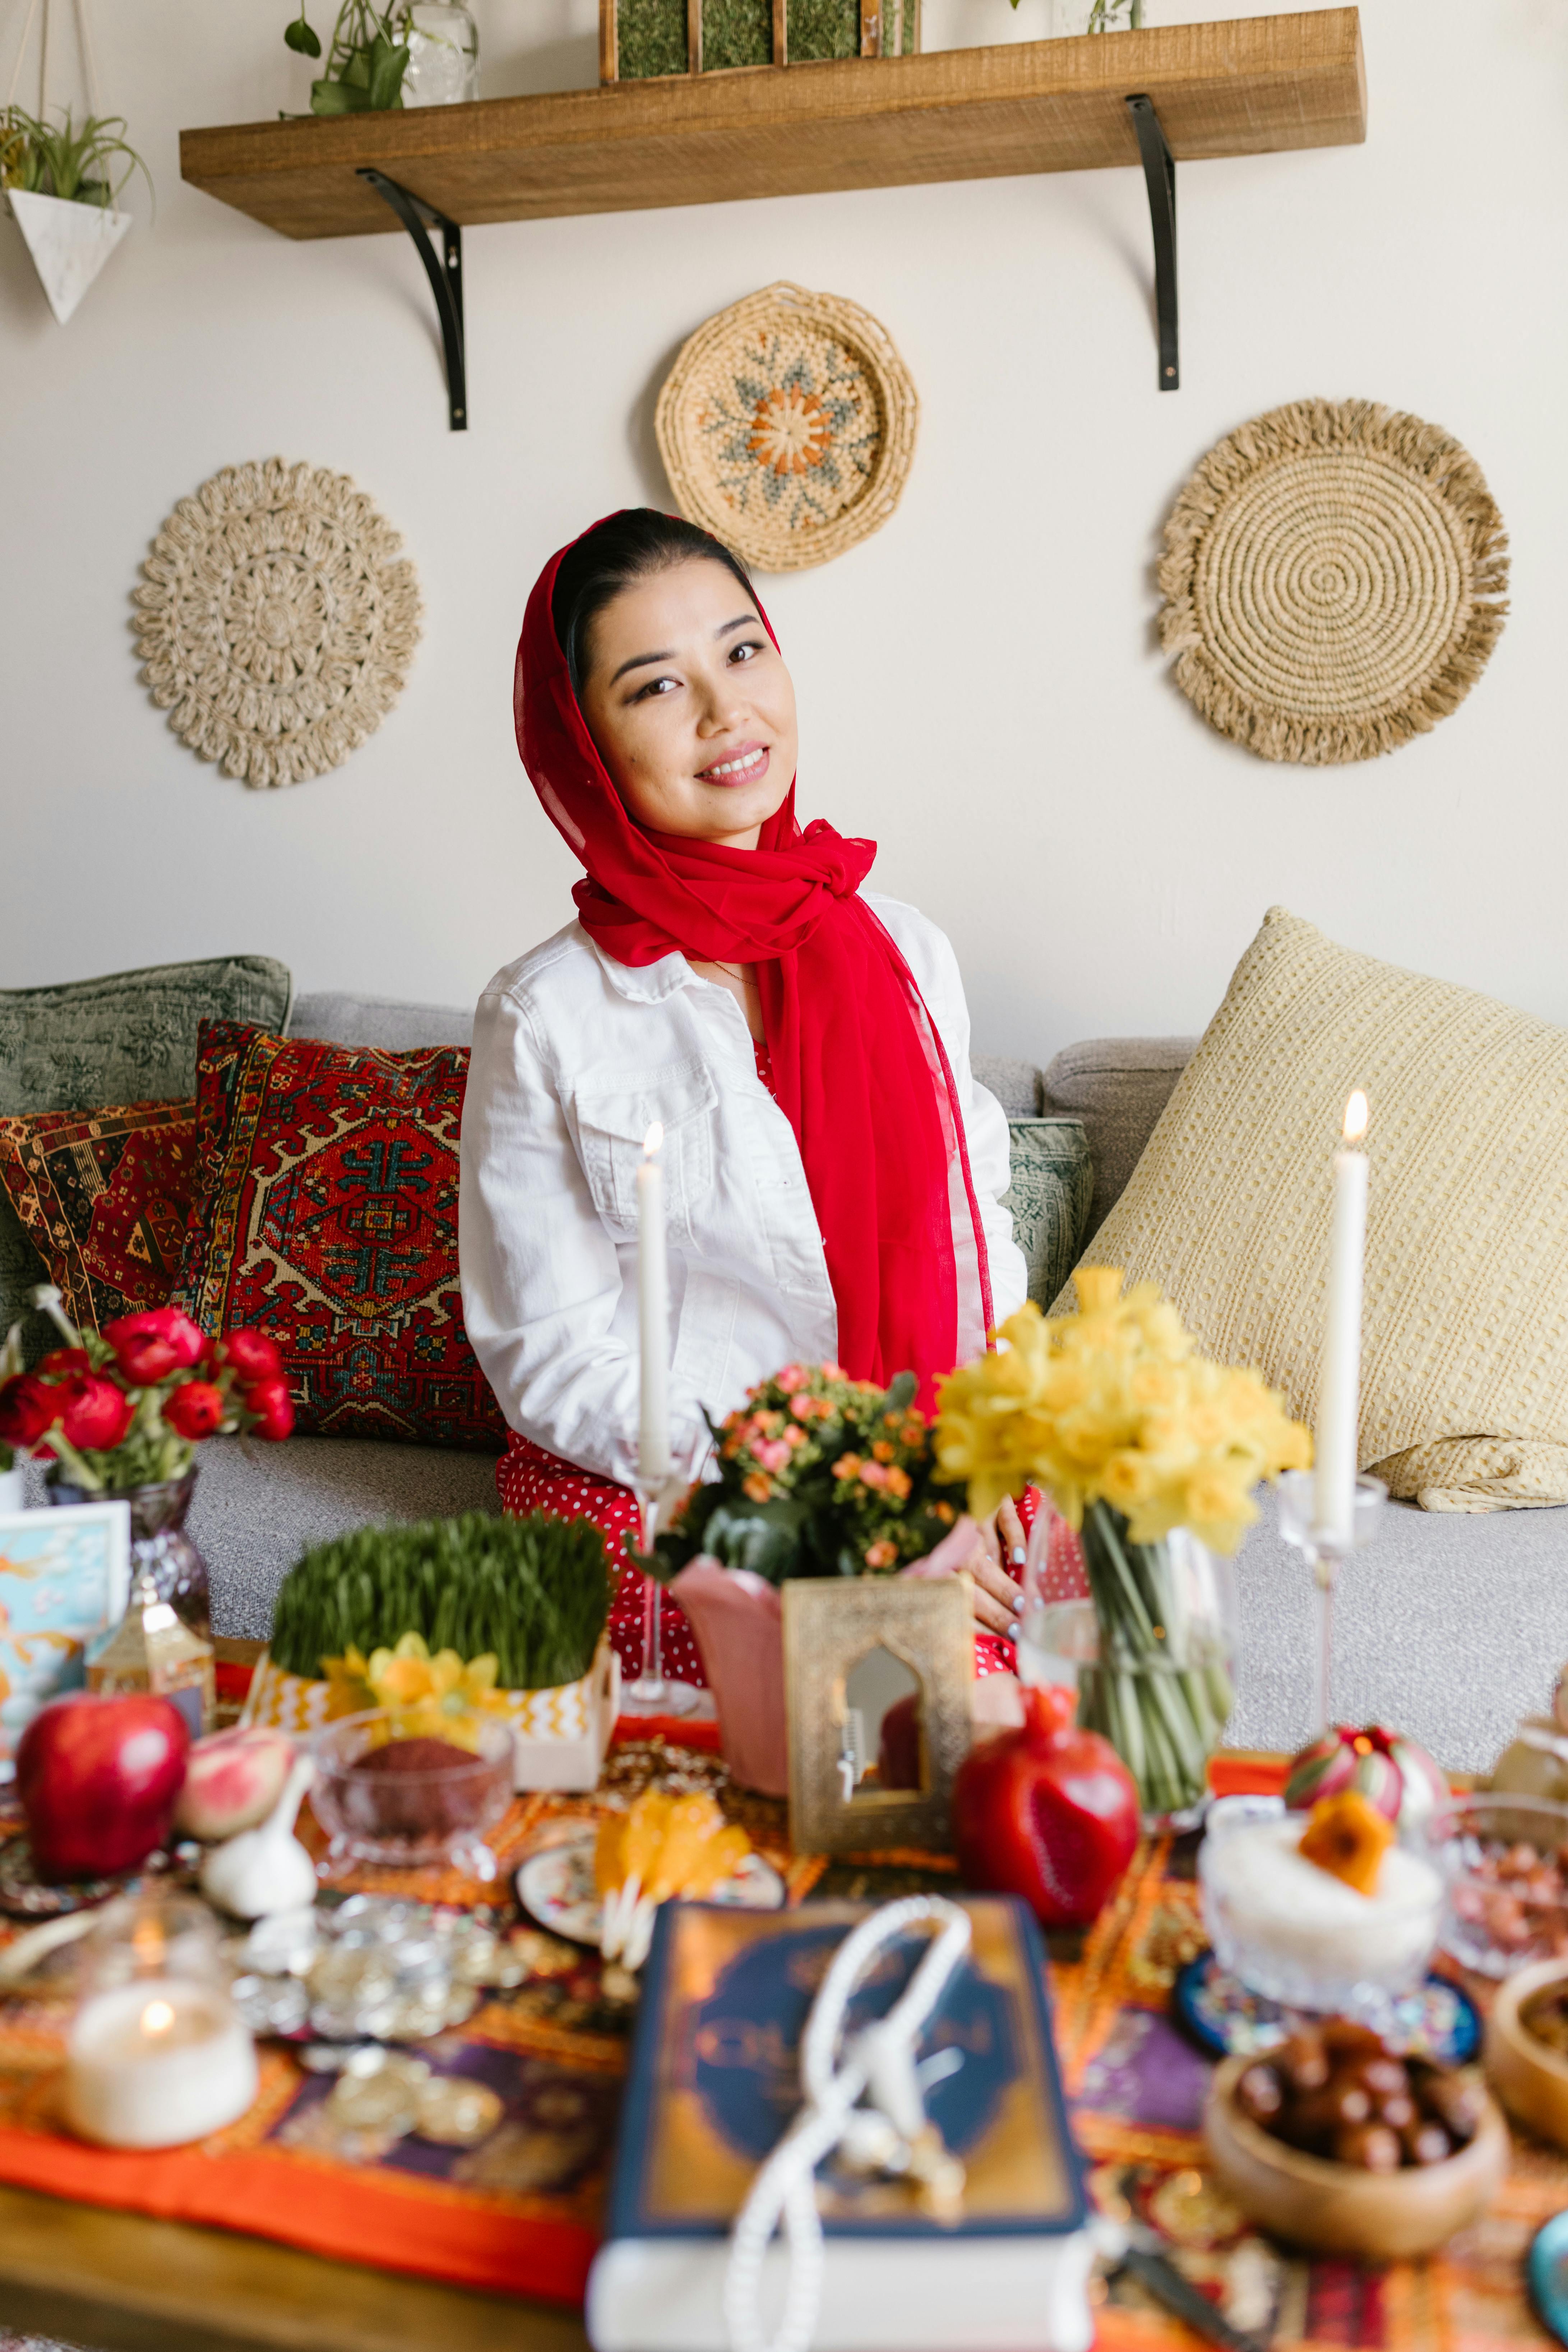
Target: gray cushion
{"x": 1118, "y": 1087}
{"x": 128, "y": 1037}
{"x": 388, "y": 1021}
{"x": 1048, "y": 1198}
{"x": 1015, "y": 1084}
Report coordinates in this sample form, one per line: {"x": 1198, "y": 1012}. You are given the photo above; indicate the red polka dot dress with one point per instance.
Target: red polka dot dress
{"x": 531, "y": 1480}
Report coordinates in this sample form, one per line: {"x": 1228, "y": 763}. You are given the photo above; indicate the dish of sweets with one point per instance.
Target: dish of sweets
{"x": 600, "y": 1886}
{"x": 1336, "y": 2142}
{"x": 1322, "y": 1911}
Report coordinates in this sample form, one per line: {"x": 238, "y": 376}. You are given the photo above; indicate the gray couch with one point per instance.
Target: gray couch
{"x": 1449, "y": 1628}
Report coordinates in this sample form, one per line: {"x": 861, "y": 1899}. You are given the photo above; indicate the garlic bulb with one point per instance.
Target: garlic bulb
{"x": 264, "y": 1869}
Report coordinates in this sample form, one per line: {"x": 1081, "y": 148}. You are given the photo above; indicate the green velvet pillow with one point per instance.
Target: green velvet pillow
{"x": 1049, "y": 1197}
{"x": 130, "y": 1037}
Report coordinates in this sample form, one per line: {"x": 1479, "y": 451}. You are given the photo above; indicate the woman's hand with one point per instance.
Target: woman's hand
{"x": 992, "y": 1554}
{"x": 995, "y": 1563}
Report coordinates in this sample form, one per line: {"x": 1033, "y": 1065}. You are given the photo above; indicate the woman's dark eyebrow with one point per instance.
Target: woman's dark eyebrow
{"x": 641, "y": 661}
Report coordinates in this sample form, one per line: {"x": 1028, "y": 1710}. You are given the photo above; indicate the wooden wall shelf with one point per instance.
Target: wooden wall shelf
{"x": 1251, "y": 86}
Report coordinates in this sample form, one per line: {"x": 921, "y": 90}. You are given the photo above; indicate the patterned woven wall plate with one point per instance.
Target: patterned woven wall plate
{"x": 1333, "y": 581}
{"x": 276, "y": 620}
{"x": 787, "y": 425}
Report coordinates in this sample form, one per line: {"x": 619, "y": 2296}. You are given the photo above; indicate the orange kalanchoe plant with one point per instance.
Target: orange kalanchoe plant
{"x": 818, "y": 1475}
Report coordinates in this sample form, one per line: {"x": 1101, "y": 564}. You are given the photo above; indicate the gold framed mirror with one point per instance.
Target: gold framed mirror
{"x": 877, "y": 1687}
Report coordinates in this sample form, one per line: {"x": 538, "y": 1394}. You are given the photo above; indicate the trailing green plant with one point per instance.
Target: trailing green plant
{"x": 365, "y": 60}
{"x": 50, "y": 158}
{"x": 534, "y": 1592}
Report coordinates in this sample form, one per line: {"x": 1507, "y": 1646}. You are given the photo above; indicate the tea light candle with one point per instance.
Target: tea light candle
{"x": 156, "y": 2064}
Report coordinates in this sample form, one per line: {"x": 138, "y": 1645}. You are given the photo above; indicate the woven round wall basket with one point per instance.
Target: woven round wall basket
{"x": 1333, "y": 581}
{"x": 787, "y": 425}
{"x": 276, "y": 620}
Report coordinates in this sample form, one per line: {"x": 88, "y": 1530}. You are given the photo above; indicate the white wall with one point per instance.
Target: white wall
{"x": 979, "y": 683}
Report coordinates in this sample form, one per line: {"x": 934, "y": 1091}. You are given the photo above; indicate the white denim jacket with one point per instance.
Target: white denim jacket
{"x": 575, "y": 1056}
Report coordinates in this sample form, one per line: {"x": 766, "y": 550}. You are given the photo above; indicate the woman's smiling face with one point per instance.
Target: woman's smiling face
{"x": 691, "y": 705}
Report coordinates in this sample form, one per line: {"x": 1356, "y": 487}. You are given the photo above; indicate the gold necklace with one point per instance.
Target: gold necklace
{"x": 736, "y": 971}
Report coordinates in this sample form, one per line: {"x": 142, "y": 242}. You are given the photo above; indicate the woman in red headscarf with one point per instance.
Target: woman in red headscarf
{"x": 832, "y": 1171}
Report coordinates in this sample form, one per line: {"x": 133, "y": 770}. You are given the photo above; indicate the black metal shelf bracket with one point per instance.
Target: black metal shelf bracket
{"x": 446, "y": 275}
{"x": 1160, "y": 174}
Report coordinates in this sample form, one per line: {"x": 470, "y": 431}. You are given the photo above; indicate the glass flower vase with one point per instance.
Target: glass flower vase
{"x": 160, "y": 1547}
{"x": 1158, "y": 1686}
{"x": 443, "y": 41}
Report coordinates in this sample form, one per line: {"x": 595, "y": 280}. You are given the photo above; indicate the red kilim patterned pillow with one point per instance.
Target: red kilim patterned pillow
{"x": 103, "y": 1196}
{"x": 330, "y": 1221}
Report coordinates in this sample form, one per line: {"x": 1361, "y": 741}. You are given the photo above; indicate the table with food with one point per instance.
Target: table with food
{"x": 830, "y": 2004}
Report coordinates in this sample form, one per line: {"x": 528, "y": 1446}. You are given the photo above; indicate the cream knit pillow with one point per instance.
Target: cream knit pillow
{"x": 1465, "y": 1338}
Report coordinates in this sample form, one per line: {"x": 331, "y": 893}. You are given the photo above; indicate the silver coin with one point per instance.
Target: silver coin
{"x": 457, "y": 2114}
{"x": 378, "y": 2103}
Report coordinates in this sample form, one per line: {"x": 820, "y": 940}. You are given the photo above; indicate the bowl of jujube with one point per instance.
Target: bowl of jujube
{"x": 1338, "y": 2142}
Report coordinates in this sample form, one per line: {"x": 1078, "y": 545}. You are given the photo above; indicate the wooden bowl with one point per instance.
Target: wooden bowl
{"x": 1336, "y": 2209}
{"x": 1531, "y": 2080}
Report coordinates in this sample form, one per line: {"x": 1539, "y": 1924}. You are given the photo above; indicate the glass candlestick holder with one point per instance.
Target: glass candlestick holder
{"x": 653, "y": 1692}
{"x": 649, "y": 1693}
{"x": 1325, "y": 1555}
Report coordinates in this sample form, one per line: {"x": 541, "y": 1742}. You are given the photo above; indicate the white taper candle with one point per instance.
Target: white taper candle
{"x": 653, "y": 1317}
{"x": 1339, "y": 1392}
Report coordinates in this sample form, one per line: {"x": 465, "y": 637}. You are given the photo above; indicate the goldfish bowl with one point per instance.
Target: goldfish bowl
{"x": 405, "y": 1788}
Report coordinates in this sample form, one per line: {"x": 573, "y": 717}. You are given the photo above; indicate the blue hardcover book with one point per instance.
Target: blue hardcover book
{"x": 714, "y": 2084}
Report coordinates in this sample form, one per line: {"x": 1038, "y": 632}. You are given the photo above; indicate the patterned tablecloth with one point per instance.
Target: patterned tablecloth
{"x": 519, "y": 2213}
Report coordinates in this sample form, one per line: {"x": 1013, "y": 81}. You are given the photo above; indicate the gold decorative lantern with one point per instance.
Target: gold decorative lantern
{"x": 153, "y": 1650}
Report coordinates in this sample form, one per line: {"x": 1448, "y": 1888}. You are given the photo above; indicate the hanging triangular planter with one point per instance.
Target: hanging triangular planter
{"x": 70, "y": 243}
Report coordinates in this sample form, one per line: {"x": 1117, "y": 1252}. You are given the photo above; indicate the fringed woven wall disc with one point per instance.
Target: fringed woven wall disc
{"x": 787, "y": 426}
{"x": 1333, "y": 581}
{"x": 276, "y": 620}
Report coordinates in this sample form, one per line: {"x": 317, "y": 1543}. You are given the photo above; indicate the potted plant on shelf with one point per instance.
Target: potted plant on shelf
{"x": 63, "y": 185}
{"x": 365, "y": 60}
{"x": 818, "y": 1475}
{"x": 1150, "y": 1453}
{"x": 118, "y": 1415}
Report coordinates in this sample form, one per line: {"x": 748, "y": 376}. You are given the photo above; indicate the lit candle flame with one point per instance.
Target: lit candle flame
{"x": 1355, "y": 1117}
{"x": 157, "y": 2018}
{"x": 653, "y": 1139}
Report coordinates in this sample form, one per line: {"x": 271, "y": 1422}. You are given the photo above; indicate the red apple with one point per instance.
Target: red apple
{"x": 232, "y": 1781}
{"x": 98, "y": 1779}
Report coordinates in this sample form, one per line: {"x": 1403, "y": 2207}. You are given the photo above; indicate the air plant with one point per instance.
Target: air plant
{"x": 365, "y": 61}
{"x": 47, "y": 158}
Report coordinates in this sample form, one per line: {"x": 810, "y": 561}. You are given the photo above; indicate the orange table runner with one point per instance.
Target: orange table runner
{"x": 520, "y": 2213}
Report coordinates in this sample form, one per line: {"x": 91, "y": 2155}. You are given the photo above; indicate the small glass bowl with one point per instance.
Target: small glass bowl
{"x": 375, "y": 1810}
{"x": 1505, "y": 1863}
{"x": 1355, "y": 1961}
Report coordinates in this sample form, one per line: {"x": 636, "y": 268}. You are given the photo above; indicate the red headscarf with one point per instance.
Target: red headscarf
{"x": 861, "y": 1073}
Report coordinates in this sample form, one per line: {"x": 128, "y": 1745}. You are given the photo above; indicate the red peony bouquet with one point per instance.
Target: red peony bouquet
{"x": 126, "y": 1407}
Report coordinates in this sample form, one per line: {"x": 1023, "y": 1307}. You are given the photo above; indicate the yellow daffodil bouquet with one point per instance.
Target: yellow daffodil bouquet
{"x": 1135, "y": 1437}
